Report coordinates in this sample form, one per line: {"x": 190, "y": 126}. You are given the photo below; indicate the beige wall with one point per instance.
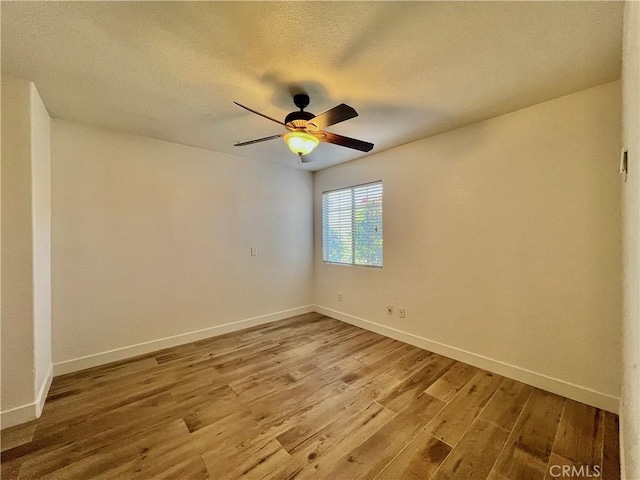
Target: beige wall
{"x": 25, "y": 246}
{"x": 17, "y": 269}
{"x": 502, "y": 241}
{"x": 152, "y": 240}
{"x": 630, "y": 408}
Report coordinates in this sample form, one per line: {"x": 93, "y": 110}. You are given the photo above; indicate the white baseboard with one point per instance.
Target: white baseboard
{"x": 544, "y": 382}
{"x": 123, "y": 353}
{"x": 16, "y": 416}
{"x": 31, "y": 411}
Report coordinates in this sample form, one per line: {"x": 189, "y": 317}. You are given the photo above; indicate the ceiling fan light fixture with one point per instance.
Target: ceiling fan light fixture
{"x": 301, "y": 143}
{"x": 306, "y": 130}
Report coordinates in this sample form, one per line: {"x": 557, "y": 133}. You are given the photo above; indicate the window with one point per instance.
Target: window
{"x": 352, "y": 225}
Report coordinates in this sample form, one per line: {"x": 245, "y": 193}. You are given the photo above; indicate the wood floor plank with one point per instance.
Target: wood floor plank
{"x": 369, "y": 458}
{"x": 346, "y": 366}
{"x": 79, "y": 381}
{"x": 413, "y": 387}
{"x": 10, "y": 470}
{"x": 364, "y": 374}
{"x": 452, "y": 423}
{"x": 528, "y": 448}
{"x": 406, "y": 366}
{"x": 69, "y": 446}
{"x": 59, "y": 409}
{"x": 123, "y": 418}
{"x": 104, "y": 432}
{"x": 224, "y": 403}
{"x": 449, "y": 384}
{"x": 379, "y": 387}
{"x": 579, "y": 437}
{"x": 345, "y": 349}
{"x": 231, "y": 430}
{"x": 475, "y": 454}
{"x": 333, "y": 408}
{"x": 273, "y": 408}
{"x": 319, "y": 452}
{"x": 301, "y": 423}
{"x": 249, "y": 355}
{"x": 496, "y": 476}
{"x": 148, "y": 406}
{"x": 255, "y": 461}
{"x": 250, "y": 377}
{"x": 506, "y": 404}
{"x": 420, "y": 459}
{"x": 176, "y": 461}
{"x": 298, "y": 399}
{"x": 142, "y": 455}
{"x": 387, "y": 347}
{"x": 102, "y": 398}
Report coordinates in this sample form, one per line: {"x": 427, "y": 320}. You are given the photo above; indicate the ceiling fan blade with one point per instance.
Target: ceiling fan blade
{"x": 329, "y": 137}
{"x": 261, "y": 114}
{"x": 257, "y": 140}
{"x": 336, "y": 115}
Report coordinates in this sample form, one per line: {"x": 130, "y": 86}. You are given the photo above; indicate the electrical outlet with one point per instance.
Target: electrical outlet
{"x": 339, "y": 296}
{"x": 402, "y": 313}
{"x": 254, "y": 251}
{"x": 389, "y": 309}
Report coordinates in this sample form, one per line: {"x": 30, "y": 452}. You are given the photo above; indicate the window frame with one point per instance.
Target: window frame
{"x": 352, "y": 189}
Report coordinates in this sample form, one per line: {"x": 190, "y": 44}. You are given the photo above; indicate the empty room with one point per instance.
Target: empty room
{"x": 330, "y": 240}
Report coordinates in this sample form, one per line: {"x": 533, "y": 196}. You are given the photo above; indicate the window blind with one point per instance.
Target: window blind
{"x": 352, "y": 225}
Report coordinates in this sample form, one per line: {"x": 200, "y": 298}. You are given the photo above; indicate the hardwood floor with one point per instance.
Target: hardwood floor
{"x": 305, "y": 397}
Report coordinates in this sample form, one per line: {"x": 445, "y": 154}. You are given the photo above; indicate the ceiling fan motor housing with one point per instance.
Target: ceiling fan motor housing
{"x": 298, "y": 119}
{"x": 301, "y": 100}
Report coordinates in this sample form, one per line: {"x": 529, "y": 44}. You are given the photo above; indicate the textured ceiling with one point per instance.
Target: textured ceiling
{"x": 171, "y": 70}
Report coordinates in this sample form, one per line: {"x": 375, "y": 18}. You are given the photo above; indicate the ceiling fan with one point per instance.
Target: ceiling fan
{"x": 306, "y": 129}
